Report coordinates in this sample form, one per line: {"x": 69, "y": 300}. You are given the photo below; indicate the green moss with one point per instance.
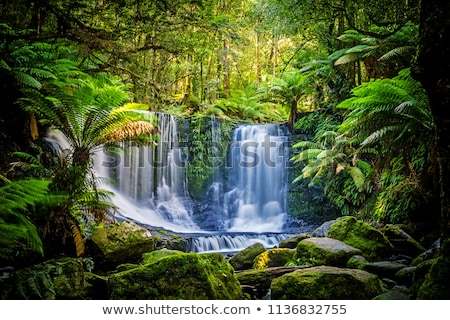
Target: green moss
{"x": 357, "y": 262}
{"x": 273, "y": 258}
{"x": 244, "y": 259}
{"x": 326, "y": 283}
{"x": 324, "y": 251}
{"x": 119, "y": 243}
{"x": 154, "y": 256}
{"x": 436, "y": 285}
{"x": 187, "y": 276}
{"x": 372, "y": 242}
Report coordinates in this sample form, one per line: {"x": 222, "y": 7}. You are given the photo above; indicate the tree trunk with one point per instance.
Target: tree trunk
{"x": 433, "y": 71}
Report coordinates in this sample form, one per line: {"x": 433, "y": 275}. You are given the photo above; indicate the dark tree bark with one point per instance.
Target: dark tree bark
{"x": 432, "y": 69}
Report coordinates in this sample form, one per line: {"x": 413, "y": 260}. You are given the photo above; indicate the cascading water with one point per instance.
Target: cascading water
{"x": 149, "y": 182}
{"x": 256, "y": 200}
{"x": 246, "y": 200}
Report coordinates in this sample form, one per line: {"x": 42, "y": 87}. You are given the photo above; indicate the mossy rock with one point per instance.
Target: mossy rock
{"x": 276, "y": 257}
{"x": 152, "y": 257}
{"x": 357, "y": 262}
{"x": 292, "y": 242}
{"x": 356, "y": 233}
{"x": 436, "y": 285}
{"x": 324, "y": 251}
{"x": 326, "y": 283}
{"x": 422, "y": 269}
{"x": 244, "y": 259}
{"x": 403, "y": 243}
{"x": 187, "y": 276}
{"x": 119, "y": 243}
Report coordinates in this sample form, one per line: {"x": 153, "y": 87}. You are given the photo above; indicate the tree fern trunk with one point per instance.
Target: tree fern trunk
{"x": 433, "y": 71}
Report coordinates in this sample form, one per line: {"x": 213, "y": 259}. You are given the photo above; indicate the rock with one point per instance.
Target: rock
{"x": 319, "y": 251}
{"x": 420, "y": 273}
{"x": 406, "y": 275}
{"x": 187, "y": 276}
{"x": 257, "y": 281}
{"x": 357, "y": 262}
{"x": 432, "y": 253}
{"x": 403, "y": 243}
{"x": 244, "y": 259}
{"x": 384, "y": 269}
{"x": 436, "y": 284}
{"x": 322, "y": 230}
{"x": 291, "y": 243}
{"x": 326, "y": 283}
{"x": 392, "y": 295}
{"x": 153, "y": 256}
{"x": 276, "y": 257}
{"x": 122, "y": 242}
{"x": 373, "y": 243}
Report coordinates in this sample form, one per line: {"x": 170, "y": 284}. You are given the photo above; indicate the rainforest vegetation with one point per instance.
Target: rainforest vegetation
{"x": 366, "y": 81}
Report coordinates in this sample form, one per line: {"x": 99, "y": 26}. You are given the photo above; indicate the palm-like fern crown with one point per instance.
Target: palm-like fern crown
{"x": 87, "y": 112}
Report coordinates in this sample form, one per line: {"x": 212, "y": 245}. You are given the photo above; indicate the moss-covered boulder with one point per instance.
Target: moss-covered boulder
{"x": 326, "y": 283}
{"x": 320, "y": 251}
{"x": 276, "y": 257}
{"x": 256, "y": 282}
{"x": 403, "y": 243}
{"x": 122, "y": 242}
{"x": 291, "y": 243}
{"x": 244, "y": 259}
{"x": 357, "y": 262}
{"x": 436, "y": 285}
{"x": 187, "y": 276}
{"x": 356, "y": 233}
{"x": 153, "y": 256}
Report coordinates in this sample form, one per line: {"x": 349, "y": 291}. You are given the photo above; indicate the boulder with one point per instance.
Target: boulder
{"x": 322, "y": 230}
{"x": 244, "y": 259}
{"x": 403, "y": 243}
{"x": 257, "y": 281}
{"x": 392, "y": 295}
{"x": 384, "y": 269}
{"x": 276, "y": 257}
{"x": 153, "y": 256}
{"x": 326, "y": 283}
{"x": 118, "y": 243}
{"x": 291, "y": 243}
{"x": 405, "y": 276}
{"x": 319, "y": 251}
{"x": 436, "y": 285}
{"x": 187, "y": 276}
{"x": 374, "y": 245}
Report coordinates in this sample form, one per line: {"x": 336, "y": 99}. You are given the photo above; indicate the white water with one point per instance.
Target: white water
{"x": 256, "y": 201}
{"x": 150, "y": 181}
{"x": 150, "y": 186}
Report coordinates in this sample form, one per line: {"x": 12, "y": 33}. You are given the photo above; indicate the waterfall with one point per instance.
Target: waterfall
{"x": 257, "y": 187}
{"x": 246, "y": 201}
{"x": 149, "y": 182}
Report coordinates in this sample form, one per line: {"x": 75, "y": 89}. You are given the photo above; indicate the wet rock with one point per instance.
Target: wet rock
{"x": 324, "y": 251}
{"x": 326, "y": 283}
{"x": 374, "y": 245}
{"x": 244, "y": 259}
{"x": 276, "y": 257}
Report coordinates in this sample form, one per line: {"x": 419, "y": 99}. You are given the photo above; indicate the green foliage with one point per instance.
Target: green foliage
{"x": 19, "y": 233}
